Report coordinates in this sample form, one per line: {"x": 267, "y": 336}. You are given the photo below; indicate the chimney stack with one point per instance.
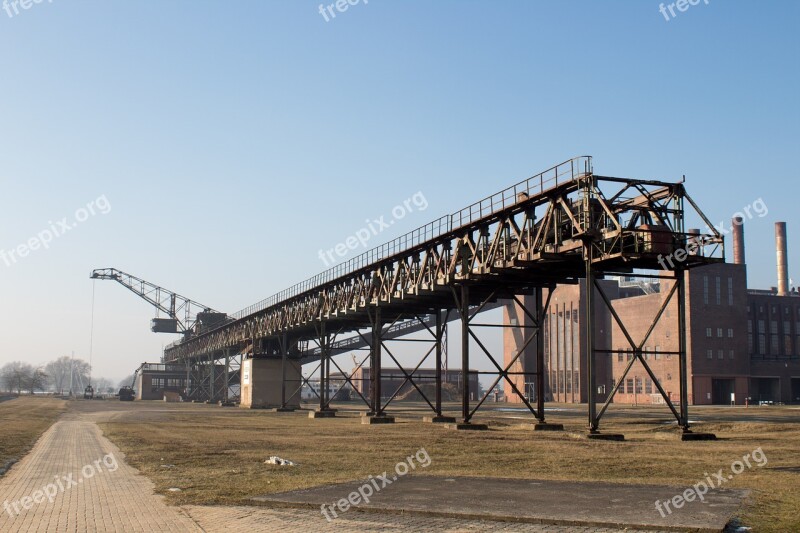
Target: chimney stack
{"x": 783, "y": 265}
{"x": 738, "y": 241}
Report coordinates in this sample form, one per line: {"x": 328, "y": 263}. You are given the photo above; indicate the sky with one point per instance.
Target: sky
{"x": 215, "y": 148}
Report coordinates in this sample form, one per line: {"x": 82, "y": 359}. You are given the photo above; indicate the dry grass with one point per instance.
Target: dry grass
{"x": 218, "y": 455}
{"x": 23, "y": 420}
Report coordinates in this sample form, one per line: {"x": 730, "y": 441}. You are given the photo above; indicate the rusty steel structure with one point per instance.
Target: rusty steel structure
{"x": 561, "y": 226}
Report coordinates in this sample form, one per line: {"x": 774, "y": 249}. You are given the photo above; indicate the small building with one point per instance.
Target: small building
{"x": 155, "y": 379}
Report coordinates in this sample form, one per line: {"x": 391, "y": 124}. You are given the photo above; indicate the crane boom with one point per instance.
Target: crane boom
{"x": 185, "y": 316}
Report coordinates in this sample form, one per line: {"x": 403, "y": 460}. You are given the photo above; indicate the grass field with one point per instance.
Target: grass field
{"x": 217, "y": 455}
{"x": 22, "y": 422}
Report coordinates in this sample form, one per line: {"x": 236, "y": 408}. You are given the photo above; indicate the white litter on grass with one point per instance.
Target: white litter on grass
{"x": 174, "y": 489}
{"x": 275, "y": 460}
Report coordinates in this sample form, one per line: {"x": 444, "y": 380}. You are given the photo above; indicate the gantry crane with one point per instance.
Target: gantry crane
{"x": 185, "y": 316}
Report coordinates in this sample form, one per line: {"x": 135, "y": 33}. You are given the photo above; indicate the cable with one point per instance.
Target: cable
{"x": 91, "y": 334}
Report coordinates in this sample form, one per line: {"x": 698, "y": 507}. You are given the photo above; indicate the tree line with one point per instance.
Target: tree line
{"x": 60, "y": 376}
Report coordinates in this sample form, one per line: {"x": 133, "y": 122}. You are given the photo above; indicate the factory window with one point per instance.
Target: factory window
{"x": 620, "y": 356}
{"x": 705, "y": 289}
{"x": 710, "y": 354}
{"x": 708, "y": 333}
{"x": 762, "y": 343}
{"x": 760, "y": 308}
{"x": 787, "y": 345}
{"x": 730, "y": 291}
{"x": 719, "y": 290}
{"x": 669, "y": 377}
{"x": 647, "y": 352}
{"x": 630, "y": 354}
{"x": 773, "y": 327}
{"x": 648, "y": 386}
{"x": 750, "y": 343}
{"x": 774, "y": 309}
{"x": 720, "y": 354}
{"x": 655, "y": 353}
{"x": 730, "y": 354}
{"x": 773, "y": 345}
{"x": 630, "y": 386}
{"x": 787, "y": 327}
{"x": 638, "y": 385}
{"x": 730, "y": 333}
{"x": 719, "y": 333}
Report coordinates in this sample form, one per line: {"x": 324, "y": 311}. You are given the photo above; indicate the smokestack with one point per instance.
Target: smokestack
{"x": 738, "y": 241}
{"x": 783, "y": 265}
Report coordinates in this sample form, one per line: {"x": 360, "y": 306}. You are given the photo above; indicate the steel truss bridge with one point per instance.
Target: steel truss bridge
{"x": 558, "y": 227}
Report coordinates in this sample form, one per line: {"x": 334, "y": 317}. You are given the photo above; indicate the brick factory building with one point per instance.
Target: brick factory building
{"x": 742, "y": 344}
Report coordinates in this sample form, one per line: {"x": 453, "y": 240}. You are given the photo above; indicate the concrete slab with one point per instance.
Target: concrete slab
{"x": 588, "y": 504}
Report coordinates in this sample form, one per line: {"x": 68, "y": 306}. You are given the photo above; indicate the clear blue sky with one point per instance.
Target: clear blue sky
{"x": 233, "y": 140}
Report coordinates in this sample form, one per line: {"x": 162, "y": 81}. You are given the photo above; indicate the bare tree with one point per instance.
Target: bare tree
{"x": 103, "y": 385}
{"x": 37, "y": 380}
{"x": 64, "y": 368}
{"x": 126, "y": 382}
{"x": 16, "y": 376}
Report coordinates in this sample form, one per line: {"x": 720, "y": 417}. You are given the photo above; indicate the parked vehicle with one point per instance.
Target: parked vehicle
{"x": 126, "y": 394}
{"x": 88, "y": 393}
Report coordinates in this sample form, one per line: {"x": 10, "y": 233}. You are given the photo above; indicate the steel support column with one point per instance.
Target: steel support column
{"x": 439, "y": 337}
{"x": 375, "y": 363}
{"x": 540, "y": 313}
{"x": 464, "y": 311}
{"x": 284, "y": 349}
{"x": 682, "y": 348}
{"x": 227, "y": 375}
{"x": 591, "y": 374}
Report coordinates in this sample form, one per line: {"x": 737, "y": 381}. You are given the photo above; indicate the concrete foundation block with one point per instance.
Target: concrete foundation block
{"x": 689, "y": 436}
{"x": 371, "y": 420}
{"x": 544, "y": 426}
{"x": 460, "y": 426}
{"x": 439, "y": 419}
{"x": 618, "y": 437}
{"x": 328, "y": 413}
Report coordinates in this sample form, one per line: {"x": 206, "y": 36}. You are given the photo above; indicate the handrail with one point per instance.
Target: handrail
{"x": 544, "y": 181}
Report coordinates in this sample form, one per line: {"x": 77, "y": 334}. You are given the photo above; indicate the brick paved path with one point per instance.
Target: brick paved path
{"x": 118, "y": 500}
{"x": 90, "y": 494}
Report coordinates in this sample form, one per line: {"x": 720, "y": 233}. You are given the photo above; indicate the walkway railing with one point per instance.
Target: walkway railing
{"x": 551, "y": 178}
